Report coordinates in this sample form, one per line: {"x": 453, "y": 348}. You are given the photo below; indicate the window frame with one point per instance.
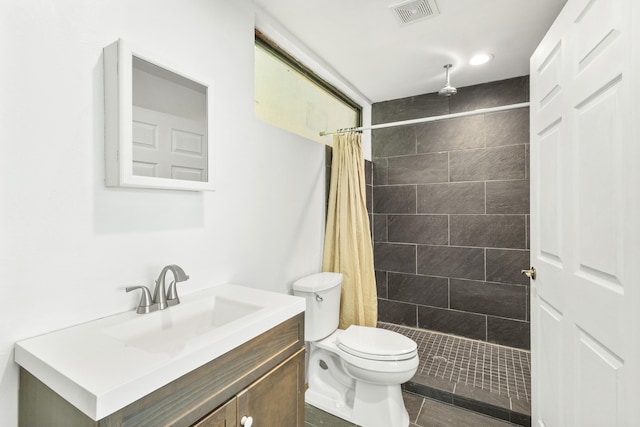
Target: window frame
{"x": 269, "y": 45}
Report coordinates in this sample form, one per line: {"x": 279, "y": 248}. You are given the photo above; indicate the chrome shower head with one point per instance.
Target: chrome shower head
{"x": 448, "y": 90}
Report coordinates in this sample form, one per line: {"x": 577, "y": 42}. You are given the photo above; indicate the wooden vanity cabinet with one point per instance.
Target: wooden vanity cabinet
{"x": 273, "y": 400}
{"x": 263, "y": 378}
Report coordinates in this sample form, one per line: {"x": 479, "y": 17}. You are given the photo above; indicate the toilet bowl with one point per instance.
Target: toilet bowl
{"x": 355, "y": 373}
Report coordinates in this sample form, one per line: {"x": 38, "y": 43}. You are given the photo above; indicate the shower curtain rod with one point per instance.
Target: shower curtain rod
{"x": 429, "y": 119}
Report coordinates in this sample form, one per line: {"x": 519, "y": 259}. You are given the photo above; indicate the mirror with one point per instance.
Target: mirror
{"x": 158, "y": 123}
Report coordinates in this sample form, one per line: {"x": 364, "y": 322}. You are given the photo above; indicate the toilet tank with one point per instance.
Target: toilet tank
{"x": 322, "y": 293}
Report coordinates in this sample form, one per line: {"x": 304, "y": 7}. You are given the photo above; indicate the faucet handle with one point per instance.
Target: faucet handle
{"x": 145, "y": 306}
{"x": 172, "y": 294}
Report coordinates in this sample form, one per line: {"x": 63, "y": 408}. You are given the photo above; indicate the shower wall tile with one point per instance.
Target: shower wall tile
{"x": 468, "y": 325}
{"x": 449, "y": 261}
{"x": 380, "y": 168}
{"x": 489, "y": 298}
{"x": 433, "y": 291}
{"x": 394, "y": 141}
{"x": 451, "y": 198}
{"x": 424, "y": 229}
{"x": 508, "y": 197}
{"x": 395, "y": 257}
{"x": 418, "y": 169}
{"x": 451, "y": 211}
{"x": 412, "y": 107}
{"x": 493, "y": 231}
{"x": 513, "y": 333}
{"x": 369, "y": 195}
{"x": 507, "y": 127}
{"x": 504, "y": 266}
{"x": 454, "y": 134}
{"x": 494, "y": 94}
{"x": 395, "y": 199}
{"x": 397, "y": 312}
{"x": 368, "y": 172}
{"x": 380, "y": 228}
{"x": 381, "y": 283}
{"x": 497, "y": 163}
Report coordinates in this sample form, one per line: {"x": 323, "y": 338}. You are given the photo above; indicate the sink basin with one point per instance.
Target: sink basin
{"x": 104, "y": 365}
{"x": 172, "y": 329}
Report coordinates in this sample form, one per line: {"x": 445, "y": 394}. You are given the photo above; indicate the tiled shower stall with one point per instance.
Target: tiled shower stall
{"x": 450, "y": 214}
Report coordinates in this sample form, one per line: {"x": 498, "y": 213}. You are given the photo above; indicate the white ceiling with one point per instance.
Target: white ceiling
{"x": 365, "y": 43}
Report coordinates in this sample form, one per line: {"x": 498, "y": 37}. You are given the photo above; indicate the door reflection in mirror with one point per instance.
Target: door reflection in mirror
{"x": 169, "y": 127}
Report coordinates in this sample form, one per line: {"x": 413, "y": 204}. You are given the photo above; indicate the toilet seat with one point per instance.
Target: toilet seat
{"x": 376, "y": 344}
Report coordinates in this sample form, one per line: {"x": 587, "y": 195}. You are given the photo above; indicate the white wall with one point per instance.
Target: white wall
{"x": 68, "y": 244}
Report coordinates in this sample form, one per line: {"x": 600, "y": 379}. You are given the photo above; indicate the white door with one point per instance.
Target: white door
{"x": 585, "y": 219}
{"x": 168, "y": 146}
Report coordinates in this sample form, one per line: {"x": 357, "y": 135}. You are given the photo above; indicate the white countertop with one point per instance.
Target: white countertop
{"x": 104, "y": 365}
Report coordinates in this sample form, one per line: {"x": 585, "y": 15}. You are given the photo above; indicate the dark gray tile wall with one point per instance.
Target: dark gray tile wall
{"x": 450, "y": 214}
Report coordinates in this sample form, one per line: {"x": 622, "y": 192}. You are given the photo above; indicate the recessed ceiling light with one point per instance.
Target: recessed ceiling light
{"x": 481, "y": 58}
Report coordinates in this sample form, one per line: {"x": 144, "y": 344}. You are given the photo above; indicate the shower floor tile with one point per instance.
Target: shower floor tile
{"x": 484, "y": 377}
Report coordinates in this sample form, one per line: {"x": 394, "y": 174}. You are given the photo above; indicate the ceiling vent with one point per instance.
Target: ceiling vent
{"x": 415, "y": 10}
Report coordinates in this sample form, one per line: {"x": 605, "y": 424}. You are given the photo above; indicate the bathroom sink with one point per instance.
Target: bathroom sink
{"x": 104, "y": 365}
{"x": 170, "y": 330}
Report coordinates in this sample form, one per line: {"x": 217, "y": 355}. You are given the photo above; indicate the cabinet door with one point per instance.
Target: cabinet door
{"x": 224, "y": 416}
{"x": 277, "y": 399}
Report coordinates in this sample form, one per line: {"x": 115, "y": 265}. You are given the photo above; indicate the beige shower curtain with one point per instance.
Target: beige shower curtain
{"x": 347, "y": 245}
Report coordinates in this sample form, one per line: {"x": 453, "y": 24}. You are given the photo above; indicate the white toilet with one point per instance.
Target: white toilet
{"x": 355, "y": 373}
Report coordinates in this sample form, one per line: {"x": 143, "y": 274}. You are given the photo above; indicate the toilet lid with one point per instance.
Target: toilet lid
{"x": 318, "y": 282}
{"x": 376, "y": 344}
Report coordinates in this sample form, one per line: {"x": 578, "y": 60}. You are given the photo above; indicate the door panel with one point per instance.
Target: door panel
{"x": 225, "y": 416}
{"x": 603, "y": 366}
{"x": 598, "y": 124}
{"x": 550, "y": 321}
{"x": 550, "y": 194}
{"x": 548, "y": 74}
{"x": 596, "y": 27}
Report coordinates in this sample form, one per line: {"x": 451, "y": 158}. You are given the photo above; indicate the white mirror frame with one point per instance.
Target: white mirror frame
{"x": 118, "y": 101}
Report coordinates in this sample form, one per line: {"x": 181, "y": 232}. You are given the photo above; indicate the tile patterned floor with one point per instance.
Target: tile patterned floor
{"x": 459, "y": 383}
{"x": 501, "y": 370}
{"x": 422, "y": 413}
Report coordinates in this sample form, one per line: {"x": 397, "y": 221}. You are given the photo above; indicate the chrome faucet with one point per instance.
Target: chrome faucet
{"x": 161, "y": 298}
{"x": 160, "y": 294}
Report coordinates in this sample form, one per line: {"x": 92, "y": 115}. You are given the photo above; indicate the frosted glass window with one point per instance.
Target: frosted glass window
{"x": 289, "y": 99}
